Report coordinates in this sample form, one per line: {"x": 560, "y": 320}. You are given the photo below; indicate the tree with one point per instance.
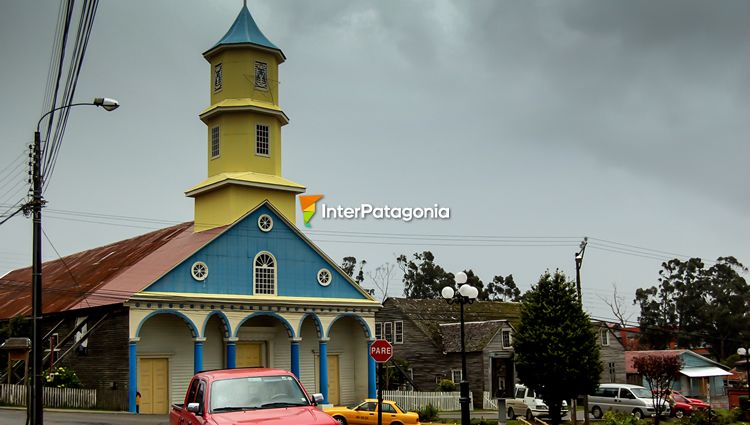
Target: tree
{"x": 381, "y": 278}
{"x": 423, "y": 278}
{"x": 556, "y": 349}
{"x": 617, "y": 306}
{"x": 349, "y": 265}
{"x": 503, "y": 288}
{"x": 694, "y": 305}
{"x": 659, "y": 372}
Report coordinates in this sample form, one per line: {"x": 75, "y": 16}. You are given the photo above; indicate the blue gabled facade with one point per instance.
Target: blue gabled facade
{"x": 230, "y": 257}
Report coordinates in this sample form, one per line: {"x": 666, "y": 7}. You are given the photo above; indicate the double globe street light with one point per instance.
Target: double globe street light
{"x": 745, "y": 352}
{"x": 35, "y": 404}
{"x": 466, "y": 294}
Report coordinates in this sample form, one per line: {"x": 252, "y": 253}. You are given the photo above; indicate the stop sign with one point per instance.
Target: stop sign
{"x": 381, "y": 350}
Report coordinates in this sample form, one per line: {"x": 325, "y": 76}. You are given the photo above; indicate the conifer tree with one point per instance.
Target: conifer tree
{"x": 556, "y": 349}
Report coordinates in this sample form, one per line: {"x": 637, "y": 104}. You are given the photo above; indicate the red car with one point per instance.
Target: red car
{"x": 248, "y": 396}
{"x": 681, "y": 405}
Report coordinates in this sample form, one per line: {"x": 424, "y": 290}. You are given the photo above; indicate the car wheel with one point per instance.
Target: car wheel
{"x": 638, "y": 414}
{"x": 511, "y": 413}
{"x": 340, "y": 419}
{"x": 529, "y": 416}
{"x": 679, "y": 414}
{"x": 597, "y": 412}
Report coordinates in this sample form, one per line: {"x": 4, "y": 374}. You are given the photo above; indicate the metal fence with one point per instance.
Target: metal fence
{"x": 52, "y": 397}
{"x": 416, "y": 400}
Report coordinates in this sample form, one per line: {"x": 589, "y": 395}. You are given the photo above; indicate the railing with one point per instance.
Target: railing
{"x": 53, "y": 397}
{"x": 416, "y": 400}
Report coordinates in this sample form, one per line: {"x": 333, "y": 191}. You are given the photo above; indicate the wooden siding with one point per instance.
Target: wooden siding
{"x": 307, "y": 365}
{"x": 165, "y": 335}
{"x": 612, "y": 353}
{"x": 214, "y": 356}
{"x": 103, "y": 364}
{"x": 230, "y": 256}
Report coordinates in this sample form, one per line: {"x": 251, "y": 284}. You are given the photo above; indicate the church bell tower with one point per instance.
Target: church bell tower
{"x": 243, "y": 124}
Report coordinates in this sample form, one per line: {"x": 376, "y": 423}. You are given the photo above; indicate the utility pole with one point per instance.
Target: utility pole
{"x": 579, "y": 263}
{"x": 35, "y": 403}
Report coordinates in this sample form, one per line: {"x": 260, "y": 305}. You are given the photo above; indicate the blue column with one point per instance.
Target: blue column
{"x": 198, "y": 354}
{"x": 132, "y": 374}
{"x": 371, "y": 387}
{"x": 231, "y": 353}
{"x": 295, "y": 357}
{"x": 323, "y": 363}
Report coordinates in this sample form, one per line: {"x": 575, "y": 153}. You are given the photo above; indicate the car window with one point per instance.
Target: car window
{"x": 257, "y": 392}
{"x": 200, "y": 396}
{"x": 641, "y": 392}
{"x": 400, "y": 407}
{"x": 192, "y": 391}
{"x": 387, "y": 408}
{"x": 679, "y": 399}
{"x": 519, "y": 392}
{"x": 610, "y": 392}
{"x": 625, "y": 393}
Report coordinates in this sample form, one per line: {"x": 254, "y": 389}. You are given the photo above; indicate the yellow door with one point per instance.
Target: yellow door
{"x": 333, "y": 380}
{"x": 153, "y": 384}
{"x": 249, "y": 354}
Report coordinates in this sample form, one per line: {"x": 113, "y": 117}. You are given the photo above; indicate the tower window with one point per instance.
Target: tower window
{"x": 261, "y": 75}
{"x": 262, "y": 146}
{"x": 214, "y": 142}
{"x": 218, "y": 77}
{"x": 264, "y": 274}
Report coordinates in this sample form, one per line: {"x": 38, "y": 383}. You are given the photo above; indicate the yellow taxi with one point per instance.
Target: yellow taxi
{"x": 366, "y": 413}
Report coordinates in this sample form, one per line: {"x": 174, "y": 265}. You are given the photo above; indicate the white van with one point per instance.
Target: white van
{"x": 525, "y": 403}
{"x": 623, "y": 398}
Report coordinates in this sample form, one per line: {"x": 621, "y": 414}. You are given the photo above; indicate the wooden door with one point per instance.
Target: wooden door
{"x": 249, "y": 354}
{"x": 333, "y": 380}
{"x": 153, "y": 384}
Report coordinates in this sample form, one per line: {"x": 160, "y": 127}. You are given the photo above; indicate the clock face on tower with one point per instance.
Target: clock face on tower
{"x": 261, "y": 75}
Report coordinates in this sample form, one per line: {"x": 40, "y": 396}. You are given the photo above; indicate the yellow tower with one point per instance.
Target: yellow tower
{"x": 244, "y": 129}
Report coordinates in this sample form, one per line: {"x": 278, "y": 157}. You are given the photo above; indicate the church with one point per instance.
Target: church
{"x": 240, "y": 286}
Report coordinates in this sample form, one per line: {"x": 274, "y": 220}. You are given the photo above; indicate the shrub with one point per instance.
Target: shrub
{"x": 718, "y": 417}
{"x": 61, "y": 377}
{"x": 446, "y": 385}
{"x": 619, "y": 418}
{"x": 428, "y": 413}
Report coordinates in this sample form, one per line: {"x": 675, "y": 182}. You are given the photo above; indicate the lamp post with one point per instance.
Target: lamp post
{"x": 35, "y": 404}
{"x": 745, "y": 352}
{"x": 466, "y": 294}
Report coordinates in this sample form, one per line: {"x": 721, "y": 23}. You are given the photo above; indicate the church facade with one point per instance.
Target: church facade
{"x": 240, "y": 286}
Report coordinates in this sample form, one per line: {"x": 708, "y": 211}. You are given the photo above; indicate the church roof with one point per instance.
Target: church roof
{"x": 101, "y": 276}
{"x": 244, "y": 30}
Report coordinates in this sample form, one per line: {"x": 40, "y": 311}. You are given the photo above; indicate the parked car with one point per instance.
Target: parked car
{"x": 682, "y": 405}
{"x": 525, "y": 403}
{"x": 248, "y": 396}
{"x": 366, "y": 413}
{"x": 624, "y": 398}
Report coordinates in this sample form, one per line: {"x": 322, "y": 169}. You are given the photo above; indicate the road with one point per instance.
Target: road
{"x": 9, "y": 416}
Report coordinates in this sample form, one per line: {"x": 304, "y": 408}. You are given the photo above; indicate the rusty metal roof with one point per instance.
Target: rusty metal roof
{"x": 104, "y": 275}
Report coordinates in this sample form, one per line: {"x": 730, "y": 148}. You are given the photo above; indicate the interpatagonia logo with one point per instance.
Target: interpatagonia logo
{"x": 307, "y": 204}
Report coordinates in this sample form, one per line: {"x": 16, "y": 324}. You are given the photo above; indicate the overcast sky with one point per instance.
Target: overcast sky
{"x": 624, "y": 121}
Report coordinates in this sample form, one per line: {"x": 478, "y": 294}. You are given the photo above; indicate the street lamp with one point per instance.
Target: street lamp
{"x": 466, "y": 294}
{"x": 742, "y": 351}
{"x": 35, "y": 404}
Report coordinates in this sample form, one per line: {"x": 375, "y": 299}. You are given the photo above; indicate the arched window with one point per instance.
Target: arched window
{"x": 264, "y": 274}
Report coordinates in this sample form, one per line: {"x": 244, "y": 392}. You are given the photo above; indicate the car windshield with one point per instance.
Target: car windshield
{"x": 641, "y": 392}
{"x": 257, "y": 392}
{"x": 679, "y": 399}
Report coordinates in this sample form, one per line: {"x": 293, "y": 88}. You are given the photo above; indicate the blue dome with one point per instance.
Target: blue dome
{"x": 244, "y": 30}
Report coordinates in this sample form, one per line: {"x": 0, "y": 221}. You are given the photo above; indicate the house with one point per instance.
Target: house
{"x": 611, "y": 351}
{"x": 426, "y": 336}
{"x": 239, "y": 286}
{"x": 700, "y": 376}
